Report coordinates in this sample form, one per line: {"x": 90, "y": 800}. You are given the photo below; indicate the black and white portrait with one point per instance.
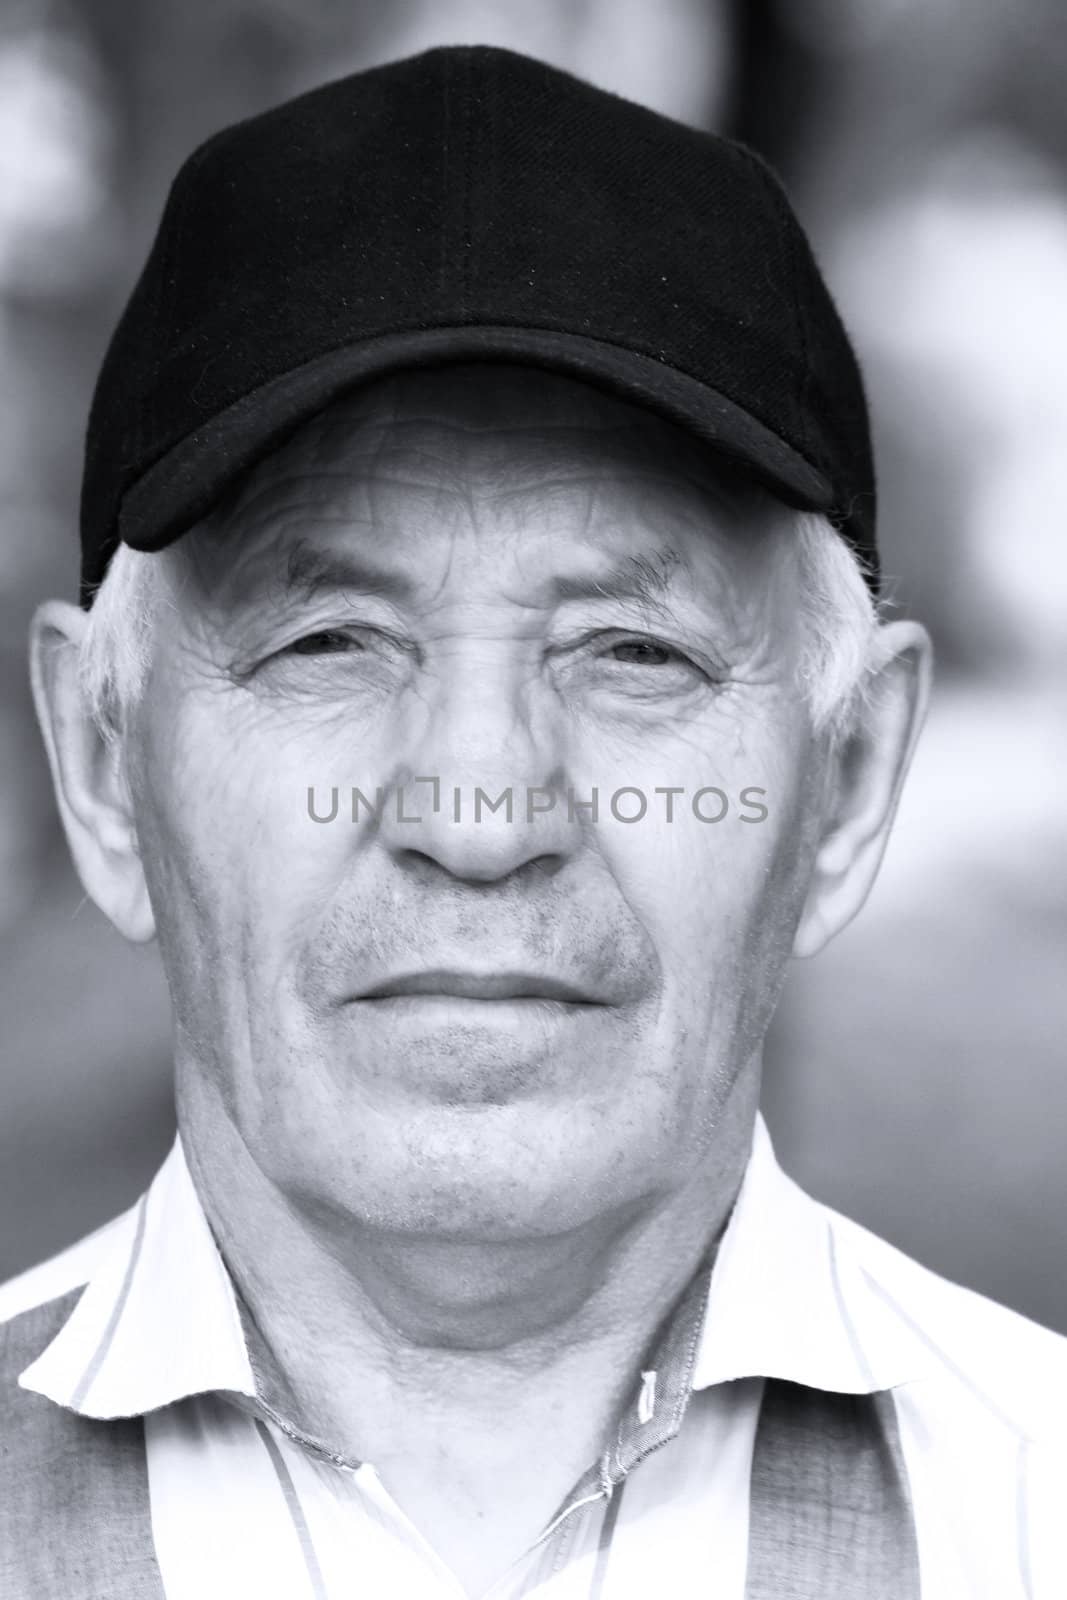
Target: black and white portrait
{"x": 532, "y": 792}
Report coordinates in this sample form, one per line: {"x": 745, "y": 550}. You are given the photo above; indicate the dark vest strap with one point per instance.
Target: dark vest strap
{"x": 74, "y": 1514}
{"x": 830, "y": 1513}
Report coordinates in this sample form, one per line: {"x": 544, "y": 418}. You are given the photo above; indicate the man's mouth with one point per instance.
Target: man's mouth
{"x": 467, "y": 985}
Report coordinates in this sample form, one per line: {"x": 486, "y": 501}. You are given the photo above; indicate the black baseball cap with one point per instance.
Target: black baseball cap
{"x": 468, "y": 204}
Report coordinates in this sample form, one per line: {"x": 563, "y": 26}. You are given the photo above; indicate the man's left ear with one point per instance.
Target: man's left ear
{"x": 870, "y": 767}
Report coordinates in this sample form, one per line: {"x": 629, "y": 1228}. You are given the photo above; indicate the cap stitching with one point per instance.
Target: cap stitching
{"x": 468, "y": 168}
{"x": 446, "y": 161}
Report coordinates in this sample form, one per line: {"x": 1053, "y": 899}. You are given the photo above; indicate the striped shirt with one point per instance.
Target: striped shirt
{"x": 242, "y": 1503}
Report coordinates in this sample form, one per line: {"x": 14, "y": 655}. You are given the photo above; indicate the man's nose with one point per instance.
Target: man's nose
{"x": 481, "y": 786}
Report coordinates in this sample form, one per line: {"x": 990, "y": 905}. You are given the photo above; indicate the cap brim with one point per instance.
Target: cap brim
{"x": 183, "y": 485}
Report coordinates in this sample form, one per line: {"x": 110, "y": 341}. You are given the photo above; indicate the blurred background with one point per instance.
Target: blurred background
{"x": 916, "y": 1074}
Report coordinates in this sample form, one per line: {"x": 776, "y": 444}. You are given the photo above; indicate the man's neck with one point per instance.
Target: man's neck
{"x": 457, "y": 1367}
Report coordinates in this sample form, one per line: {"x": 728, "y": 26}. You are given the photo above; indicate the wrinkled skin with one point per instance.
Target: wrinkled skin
{"x": 462, "y": 1116}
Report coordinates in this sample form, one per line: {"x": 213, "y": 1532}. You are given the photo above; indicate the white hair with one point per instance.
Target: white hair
{"x": 840, "y": 627}
{"x": 839, "y": 622}
{"x": 116, "y": 648}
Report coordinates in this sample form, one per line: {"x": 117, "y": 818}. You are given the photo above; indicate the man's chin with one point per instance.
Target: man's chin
{"x": 461, "y": 1054}
{"x": 470, "y": 1174}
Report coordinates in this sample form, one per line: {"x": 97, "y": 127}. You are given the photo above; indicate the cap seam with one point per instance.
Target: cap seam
{"x": 165, "y": 293}
{"x": 467, "y": 209}
{"x": 446, "y": 162}
{"x": 774, "y": 187}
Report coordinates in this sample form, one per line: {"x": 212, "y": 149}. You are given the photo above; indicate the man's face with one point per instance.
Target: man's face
{"x": 492, "y": 577}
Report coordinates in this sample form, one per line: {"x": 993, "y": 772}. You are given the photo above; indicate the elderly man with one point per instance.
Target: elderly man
{"x": 479, "y": 690}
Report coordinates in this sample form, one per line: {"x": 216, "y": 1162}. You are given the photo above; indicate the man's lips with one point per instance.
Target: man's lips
{"x": 442, "y": 981}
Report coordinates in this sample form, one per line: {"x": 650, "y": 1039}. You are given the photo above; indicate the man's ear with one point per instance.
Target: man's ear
{"x": 870, "y": 767}
{"x": 88, "y": 773}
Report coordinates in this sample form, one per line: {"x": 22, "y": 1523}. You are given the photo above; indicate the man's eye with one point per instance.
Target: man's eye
{"x": 327, "y": 642}
{"x": 644, "y": 653}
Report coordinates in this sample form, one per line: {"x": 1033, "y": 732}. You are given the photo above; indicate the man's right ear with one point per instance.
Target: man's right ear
{"x": 88, "y": 773}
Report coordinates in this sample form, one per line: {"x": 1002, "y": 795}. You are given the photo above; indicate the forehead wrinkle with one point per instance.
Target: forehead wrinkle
{"x": 596, "y": 412}
{"x": 309, "y": 568}
{"x": 631, "y": 503}
{"x": 628, "y": 429}
{"x": 622, "y": 456}
{"x": 369, "y": 444}
{"x": 230, "y": 547}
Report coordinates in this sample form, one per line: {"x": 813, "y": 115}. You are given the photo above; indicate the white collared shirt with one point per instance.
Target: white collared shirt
{"x": 240, "y": 1504}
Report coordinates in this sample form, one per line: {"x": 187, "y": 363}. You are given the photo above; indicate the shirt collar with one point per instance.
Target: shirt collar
{"x": 159, "y": 1319}
{"x": 788, "y": 1297}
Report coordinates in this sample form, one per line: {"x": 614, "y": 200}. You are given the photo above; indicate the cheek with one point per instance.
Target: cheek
{"x": 237, "y": 870}
{"x": 720, "y": 899}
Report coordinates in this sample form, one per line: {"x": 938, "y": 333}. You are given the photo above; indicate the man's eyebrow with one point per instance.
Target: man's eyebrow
{"x": 310, "y": 572}
{"x": 643, "y": 578}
